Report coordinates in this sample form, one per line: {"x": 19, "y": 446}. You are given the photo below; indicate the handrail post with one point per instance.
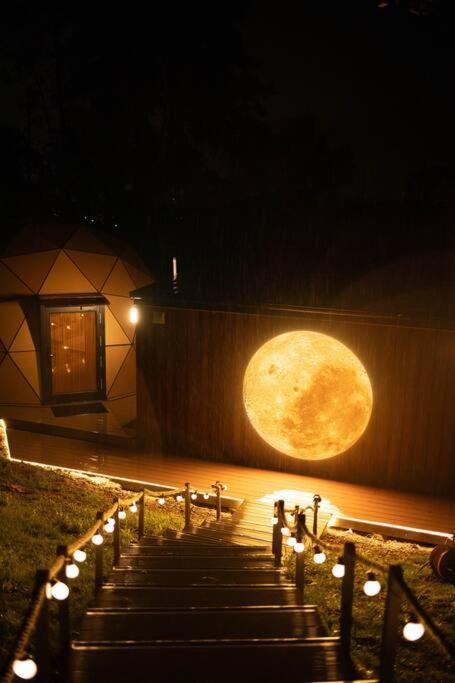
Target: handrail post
{"x": 347, "y": 596}
{"x": 316, "y": 500}
{"x": 218, "y": 500}
{"x": 278, "y": 536}
{"x": 300, "y": 557}
{"x": 116, "y": 535}
{"x": 140, "y": 522}
{"x": 187, "y": 507}
{"x": 64, "y": 615}
{"x": 42, "y": 630}
{"x": 390, "y": 625}
{"x": 99, "y": 559}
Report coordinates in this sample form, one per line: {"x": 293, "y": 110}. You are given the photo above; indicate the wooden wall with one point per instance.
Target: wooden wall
{"x": 190, "y": 374}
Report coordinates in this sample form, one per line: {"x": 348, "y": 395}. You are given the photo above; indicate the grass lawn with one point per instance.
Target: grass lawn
{"x": 419, "y": 661}
{"x": 42, "y": 508}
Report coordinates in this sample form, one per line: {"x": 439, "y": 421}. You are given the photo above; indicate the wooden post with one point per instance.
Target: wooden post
{"x": 141, "y": 517}
{"x": 99, "y": 558}
{"x": 218, "y": 501}
{"x": 390, "y": 625}
{"x": 278, "y": 547}
{"x": 347, "y": 596}
{"x": 316, "y": 500}
{"x": 116, "y": 535}
{"x": 187, "y": 507}
{"x": 42, "y": 630}
{"x": 64, "y": 617}
{"x": 300, "y": 557}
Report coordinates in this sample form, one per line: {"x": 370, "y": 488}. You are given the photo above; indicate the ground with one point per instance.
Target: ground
{"x": 41, "y": 508}
{"x": 420, "y": 661}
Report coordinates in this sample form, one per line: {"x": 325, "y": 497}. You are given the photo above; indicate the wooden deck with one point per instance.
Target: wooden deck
{"x": 362, "y": 503}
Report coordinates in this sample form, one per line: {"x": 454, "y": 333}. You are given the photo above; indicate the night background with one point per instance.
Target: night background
{"x": 300, "y": 154}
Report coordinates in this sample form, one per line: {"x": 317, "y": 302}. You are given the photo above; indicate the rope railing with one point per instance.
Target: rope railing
{"x": 53, "y": 582}
{"x": 298, "y": 534}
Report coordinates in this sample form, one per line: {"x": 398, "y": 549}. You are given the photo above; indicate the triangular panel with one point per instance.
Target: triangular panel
{"x": 14, "y": 388}
{"x": 32, "y": 268}
{"x": 11, "y": 285}
{"x": 11, "y": 318}
{"x": 115, "y": 355}
{"x": 86, "y": 239}
{"x": 125, "y": 382}
{"x": 124, "y": 409}
{"x": 65, "y": 278}
{"x": 119, "y": 282}
{"x": 27, "y": 362}
{"x": 113, "y": 332}
{"x": 140, "y": 277}
{"x": 120, "y": 307}
{"x": 23, "y": 340}
{"x": 38, "y": 237}
{"x": 95, "y": 267}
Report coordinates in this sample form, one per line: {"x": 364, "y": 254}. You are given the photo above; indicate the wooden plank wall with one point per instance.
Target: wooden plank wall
{"x": 190, "y": 375}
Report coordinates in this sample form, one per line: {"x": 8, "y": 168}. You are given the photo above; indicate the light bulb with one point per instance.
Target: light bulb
{"x": 291, "y": 541}
{"x": 161, "y": 500}
{"x": 72, "y": 571}
{"x": 319, "y": 556}
{"x": 97, "y": 539}
{"x": 298, "y": 548}
{"x": 25, "y": 668}
{"x": 48, "y": 590}
{"x": 79, "y": 555}
{"x": 194, "y": 495}
{"x": 108, "y": 528}
{"x": 274, "y": 520}
{"x": 111, "y": 521}
{"x": 413, "y": 630}
{"x": 338, "y": 569}
{"x": 133, "y": 507}
{"x": 178, "y": 498}
{"x": 121, "y": 514}
{"x": 60, "y": 590}
{"x": 206, "y": 496}
{"x": 285, "y": 531}
{"x": 290, "y": 517}
{"x": 371, "y": 586}
{"x": 134, "y": 315}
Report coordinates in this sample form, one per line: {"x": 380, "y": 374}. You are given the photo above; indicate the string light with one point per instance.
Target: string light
{"x": 319, "y": 556}
{"x": 161, "y": 500}
{"x": 60, "y": 590}
{"x": 274, "y": 520}
{"x": 371, "y": 586}
{"x": 133, "y": 507}
{"x": 290, "y": 517}
{"x": 338, "y": 569}
{"x": 194, "y": 495}
{"x": 97, "y": 539}
{"x": 285, "y": 531}
{"x": 298, "y": 548}
{"x": 108, "y": 528}
{"x": 25, "y": 668}
{"x": 111, "y": 521}
{"x": 79, "y": 555}
{"x": 291, "y": 541}
{"x": 414, "y": 629}
{"x": 122, "y": 514}
{"x": 206, "y": 496}
{"x": 179, "y": 498}
{"x": 72, "y": 570}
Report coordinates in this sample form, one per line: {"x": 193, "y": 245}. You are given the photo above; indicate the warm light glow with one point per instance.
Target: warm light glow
{"x": 338, "y": 569}
{"x": 206, "y": 496}
{"x": 111, "y": 521}
{"x": 319, "y": 556}
{"x": 274, "y": 520}
{"x": 97, "y": 539}
{"x": 285, "y": 531}
{"x": 178, "y": 498}
{"x": 4, "y": 445}
{"x": 307, "y": 395}
{"x": 372, "y": 586}
{"x": 133, "y": 507}
{"x": 108, "y": 528}
{"x": 79, "y": 555}
{"x": 298, "y": 548}
{"x": 60, "y": 590}
{"x": 122, "y": 514}
{"x": 72, "y": 571}
{"x": 291, "y": 541}
{"x": 134, "y": 315}
{"x": 413, "y": 630}
{"x": 161, "y": 500}
{"x": 25, "y": 668}
{"x": 194, "y": 495}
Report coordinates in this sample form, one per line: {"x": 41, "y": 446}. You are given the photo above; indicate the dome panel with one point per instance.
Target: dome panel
{"x": 95, "y": 267}
{"x": 120, "y": 307}
{"x": 119, "y": 282}
{"x": 23, "y": 340}
{"x": 125, "y": 382}
{"x": 65, "y": 278}
{"x": 11, "y": 285}
{"x": 114, "y": 333}
{"x": 85, "y": 239}
{"x": 32, "y": 268}
{"x": 14, "y": 388}
{"x": 115, "y": 355}
{"x": 141, "y": 278}
{"x": 27, "y": 362}
{"x": 124, "y": 409}
{"x": 11, "y": 317}
{"x": 37, "y": 237}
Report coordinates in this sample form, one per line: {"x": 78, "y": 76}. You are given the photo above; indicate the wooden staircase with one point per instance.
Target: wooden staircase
{"x": 206, "y": 604}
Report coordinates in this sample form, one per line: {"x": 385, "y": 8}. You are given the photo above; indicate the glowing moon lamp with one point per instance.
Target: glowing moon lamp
{"x": 307, "y": 395}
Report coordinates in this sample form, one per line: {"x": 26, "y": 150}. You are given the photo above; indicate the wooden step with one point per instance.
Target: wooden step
{"x": 182, "y": 550}
{"x": 197, "y": 625}
{"x": 183, "y": 597}
{"x": 208, "y": 536}
{"x": 306, "y": 661}
{"x": 195, "y": 562}
{"x": 196, "y": 545}
{"x": 191, "y": 577}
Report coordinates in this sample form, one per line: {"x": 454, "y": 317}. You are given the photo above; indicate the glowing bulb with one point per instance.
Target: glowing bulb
{"x": 291, "y": 541}
{"x": 194, "y": 495}
{"x": 121, "y": 514}
{"x": 97, "y": 539}
{"x": 72, "y": 571}
{"x": 111, "y": 521}
{"x": 413, "y": 630}
{"x": 206, "y": 496}
{"x": 108, "y": 528}
{"x": 60, "y": 590}
{"x": 79, "y": 555}
{"x": 285, "y": 531}
{"x": 338, "y": 569}
{"x": 133, "y": 507}
{"x": 274, "y": 520}
{"x": 161, "y": 500}
{"x": 134, "y": 315}
{"x": 48, "y": 590}
{"x": 298, "y": 548}
{"x": 25, "y": 668}
{"x": 319, "y": 556}
{"x": 371, "y": 586}
{"x": 290, "y": 517}
{"x": 178, "y": 498}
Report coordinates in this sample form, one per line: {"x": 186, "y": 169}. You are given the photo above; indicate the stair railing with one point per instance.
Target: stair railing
{"x": 298, "y": 536}
{"x": 53, "y": 583}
